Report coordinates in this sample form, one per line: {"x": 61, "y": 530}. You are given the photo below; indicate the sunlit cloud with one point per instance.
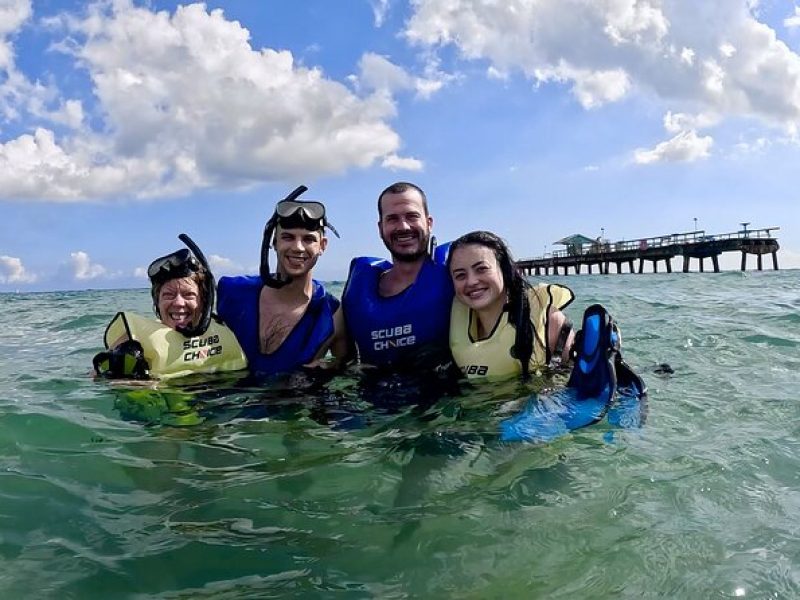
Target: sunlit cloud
{"x": 396, "y": 163}
{"x": 687, "y": 146}
{"x": 379, "y": 10}
{"x": 83, "y": 268}
{"x": 379, "y": 74}
{"x": 13, "y": 271}
{"x": 722, "y": 61}
{"x": 184, "y": 102}
{"x": 793, "y": 21}
{"x": 223, "y": 266}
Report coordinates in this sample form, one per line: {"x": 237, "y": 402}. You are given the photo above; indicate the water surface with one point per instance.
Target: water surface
{"x": 281, "y": 492}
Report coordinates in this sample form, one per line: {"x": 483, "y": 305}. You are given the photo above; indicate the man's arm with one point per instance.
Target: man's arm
{"x": 339, "y": 344}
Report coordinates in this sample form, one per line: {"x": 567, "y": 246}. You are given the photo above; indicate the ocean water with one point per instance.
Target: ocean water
{"x": 302, "y": 489}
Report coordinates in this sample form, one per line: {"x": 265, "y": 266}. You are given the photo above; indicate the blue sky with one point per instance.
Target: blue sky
{"x": 125, "y": 123}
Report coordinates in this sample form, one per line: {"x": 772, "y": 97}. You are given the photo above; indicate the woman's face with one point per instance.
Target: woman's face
{"x": 179, "y": 303}
{"x": 477, "y": 278}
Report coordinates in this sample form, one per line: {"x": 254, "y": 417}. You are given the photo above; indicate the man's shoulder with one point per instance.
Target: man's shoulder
{"x": 232, "y": 282}
{"x": 321, "y": 294}
{"x": 363, "y": 275}
{"x": 361, "y": 263}
{"x": 233, "y": 291}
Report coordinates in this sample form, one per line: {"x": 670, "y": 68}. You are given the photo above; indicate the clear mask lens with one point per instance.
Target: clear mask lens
{"x": 313, "y": 210}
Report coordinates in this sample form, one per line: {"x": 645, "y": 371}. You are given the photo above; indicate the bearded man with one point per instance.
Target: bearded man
{"x": 398, "y": 312}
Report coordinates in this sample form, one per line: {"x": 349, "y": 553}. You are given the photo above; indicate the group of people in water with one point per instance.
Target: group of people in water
{"x": 427, "y": 309}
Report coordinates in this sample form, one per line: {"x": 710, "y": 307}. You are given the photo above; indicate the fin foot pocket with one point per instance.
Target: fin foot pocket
{"x": 596, "y": 346}
{"x": 590, "y": 391}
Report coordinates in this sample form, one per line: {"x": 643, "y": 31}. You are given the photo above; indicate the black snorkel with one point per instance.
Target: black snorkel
{"x": 300, "y": 215}
{"x": 210, "y": 290}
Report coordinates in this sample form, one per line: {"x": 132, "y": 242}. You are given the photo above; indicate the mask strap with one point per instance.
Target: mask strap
{"x": 325, "y": 223}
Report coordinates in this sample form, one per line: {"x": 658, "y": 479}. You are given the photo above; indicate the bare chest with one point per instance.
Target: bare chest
{"x": 276, "y": 323}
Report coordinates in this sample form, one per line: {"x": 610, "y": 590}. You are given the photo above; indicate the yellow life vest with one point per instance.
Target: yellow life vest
{"x": 170, "y": 354}
{"x": 491, "y": 357}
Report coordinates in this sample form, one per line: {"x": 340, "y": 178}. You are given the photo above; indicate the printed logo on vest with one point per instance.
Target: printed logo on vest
{"x": 393, "y": 337}
{"x": 205, "y": 348}
{"x": 479, "y": 370}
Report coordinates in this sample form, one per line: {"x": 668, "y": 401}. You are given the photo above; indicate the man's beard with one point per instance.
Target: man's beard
{"x": 409, "y": 256}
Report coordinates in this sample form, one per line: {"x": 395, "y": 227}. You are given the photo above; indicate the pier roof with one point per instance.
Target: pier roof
{"x": 575, "y": 239}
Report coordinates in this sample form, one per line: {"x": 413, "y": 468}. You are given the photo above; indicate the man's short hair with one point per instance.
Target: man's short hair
{"x": 398, "y": 188}
{"x": 279, "y": 225}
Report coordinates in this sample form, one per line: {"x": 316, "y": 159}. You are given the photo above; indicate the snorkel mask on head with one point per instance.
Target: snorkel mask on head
{"x": 291, "y": 213}
{"x": 179, "y": 264}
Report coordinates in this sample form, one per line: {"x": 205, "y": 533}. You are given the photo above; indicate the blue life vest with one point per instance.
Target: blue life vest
{"x": 397, "y": 331}
{"x": 237, "y": 306}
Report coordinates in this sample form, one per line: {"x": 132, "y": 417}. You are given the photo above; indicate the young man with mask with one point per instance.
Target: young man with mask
{"x": 286, "y": 319}
{"x": 398, "y": 312}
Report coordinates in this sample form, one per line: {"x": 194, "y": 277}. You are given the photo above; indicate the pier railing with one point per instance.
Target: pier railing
{"x": 691, "y": 244}
{"x": 659, "y": 241}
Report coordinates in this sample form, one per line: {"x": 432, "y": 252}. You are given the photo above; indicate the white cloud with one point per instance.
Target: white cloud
{"x": 68, "y": 113}
{"x": 140, "y": 273}
{"x": 755, "y": 146}
{"x": 727, "y": 50}
{"x": 223, "y": 266}
{"x": 35, "y": 166}
{"x": 379, "y": 10}
{"x": 19, "y": 96}
{"x": 397, "y": 163}
{"x": 83, "y": 268}
{"x": 11, "y": 268}
{"x": 538, "y": 37}
{"x": 711, "y": 57}
{"x": 493, "y": 72}
{"x": 599, "y": 87}
{"x": 675, "y": 122}
{"x": 794, "y": 20}
{"x": 13, "y": 13}
{"x": 186, "y": 102}
{"x": 684, "y": 147}
{"x": 380, "y": 74}
{"x": 14, "y": 87}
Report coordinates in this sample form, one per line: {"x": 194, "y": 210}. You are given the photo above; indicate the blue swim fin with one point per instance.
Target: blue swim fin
{"x": 596, "y": 348}
{"x": 590, "y": 389}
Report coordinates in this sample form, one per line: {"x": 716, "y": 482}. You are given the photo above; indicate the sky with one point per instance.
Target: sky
{"x": 124, "y": 123}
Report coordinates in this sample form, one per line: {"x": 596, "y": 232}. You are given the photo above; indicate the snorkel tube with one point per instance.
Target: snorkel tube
{"x": 210, "y": 290}
{"x": 275, "y": 281}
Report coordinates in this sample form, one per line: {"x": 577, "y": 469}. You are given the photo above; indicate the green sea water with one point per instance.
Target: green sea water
{"x": 270, "y": 495}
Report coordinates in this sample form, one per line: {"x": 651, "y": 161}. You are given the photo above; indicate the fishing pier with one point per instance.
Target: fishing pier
{"x": 581, "y": 250}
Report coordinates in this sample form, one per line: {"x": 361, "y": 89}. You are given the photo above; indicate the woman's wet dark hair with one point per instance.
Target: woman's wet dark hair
{"x": 516, "y": 288}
